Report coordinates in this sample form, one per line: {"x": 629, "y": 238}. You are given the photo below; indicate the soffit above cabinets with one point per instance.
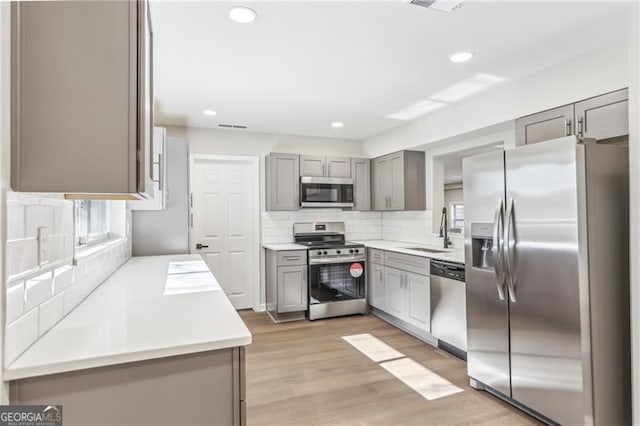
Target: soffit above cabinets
{"x": 302, "y": 65}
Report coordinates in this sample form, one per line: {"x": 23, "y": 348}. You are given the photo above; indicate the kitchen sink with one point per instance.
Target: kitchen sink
{"x": 425, "y": 250}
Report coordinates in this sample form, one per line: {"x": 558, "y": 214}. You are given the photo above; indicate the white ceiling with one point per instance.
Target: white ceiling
{"x": 302, "y": 65}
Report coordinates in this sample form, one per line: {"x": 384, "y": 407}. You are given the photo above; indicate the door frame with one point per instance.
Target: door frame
{"x": 254, "y": 161}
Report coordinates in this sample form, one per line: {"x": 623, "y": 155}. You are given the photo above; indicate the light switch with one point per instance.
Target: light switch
{"x": 43, "y": 245}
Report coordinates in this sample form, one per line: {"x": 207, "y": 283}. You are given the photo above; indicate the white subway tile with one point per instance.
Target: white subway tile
{"x": 51, "y": 312}
{"x": 62, "y": 278}
{"x": 37, "y": 290}
{"x": 37, "y": 216}
{"x": 21, "y": 256}
{"x": 15, "y": 221}
{"x": 20, "y": 334}
{"x": 15, "y": 301}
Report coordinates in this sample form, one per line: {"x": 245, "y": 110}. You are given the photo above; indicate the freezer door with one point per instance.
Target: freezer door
{"x": 541, "y": 250}
{"x": 487, "y": 306}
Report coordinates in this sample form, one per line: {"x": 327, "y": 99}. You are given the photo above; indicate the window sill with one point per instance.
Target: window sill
{"x": 85, "y": 252}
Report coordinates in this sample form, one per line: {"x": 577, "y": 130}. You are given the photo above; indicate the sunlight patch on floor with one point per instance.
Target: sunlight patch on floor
{"x": 413, "y": 374}
{"x": 419, "y": 378}
{"x": 373, "y": 347}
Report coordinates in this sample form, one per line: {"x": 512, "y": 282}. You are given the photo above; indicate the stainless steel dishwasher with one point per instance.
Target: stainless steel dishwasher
{"x": 448, "y": 307}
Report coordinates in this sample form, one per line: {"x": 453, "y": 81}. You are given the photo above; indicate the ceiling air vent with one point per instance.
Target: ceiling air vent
{"x": 441, "y": 5}
{"x": 232, "y": 126}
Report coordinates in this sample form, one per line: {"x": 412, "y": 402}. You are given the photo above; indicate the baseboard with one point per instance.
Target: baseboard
{"x": 406, "y": 327}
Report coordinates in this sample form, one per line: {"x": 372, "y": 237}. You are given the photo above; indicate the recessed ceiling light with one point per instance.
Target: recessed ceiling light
{"x": 242, "y": 14}
{"x": 461, "y": 57}
{"x": 417, "y": 109}
{"x": 337, "y": 124}
{"x": 209, "y": 112}
{"x": 468, "y": 87}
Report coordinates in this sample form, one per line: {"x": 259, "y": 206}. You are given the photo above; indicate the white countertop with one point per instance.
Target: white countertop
{"x": 284, "y": 246}
{"x": 451, "y": 255}
{"x": 141, "y": 312}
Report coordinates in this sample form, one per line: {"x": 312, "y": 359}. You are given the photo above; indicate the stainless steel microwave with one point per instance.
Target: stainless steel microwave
{"x": 326, "y": 192}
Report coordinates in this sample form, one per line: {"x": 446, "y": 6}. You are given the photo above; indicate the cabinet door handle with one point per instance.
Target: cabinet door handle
{"x": 329, "y": 169}
{"x": 291, "y": 257}
{"x": 567, "y": 125}
{"x": 581, "y": 126}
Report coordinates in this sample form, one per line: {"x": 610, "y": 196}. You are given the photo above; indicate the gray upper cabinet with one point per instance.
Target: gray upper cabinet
{"x": 603, "y": 117}
{"x": 312, "y": 166}
{"x": 339, "y": 167}
{"x": 361, "y": 173}
{"x": 552, "y": 124}
{"x": 283, "y": 182}
{"x": 325, "y": 166}
{"x": 82, "y": 98}
{"x": 399, "y": 181}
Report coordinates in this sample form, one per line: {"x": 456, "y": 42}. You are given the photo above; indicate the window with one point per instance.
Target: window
{"x": 457, "y": 215}
{"x": 92, "y": 221}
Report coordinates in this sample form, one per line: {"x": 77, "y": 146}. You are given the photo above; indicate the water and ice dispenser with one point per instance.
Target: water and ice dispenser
{"x": 482, "y": 245}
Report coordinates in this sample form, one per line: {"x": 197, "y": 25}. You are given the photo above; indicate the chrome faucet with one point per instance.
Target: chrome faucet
{"x": 443, "y": 228}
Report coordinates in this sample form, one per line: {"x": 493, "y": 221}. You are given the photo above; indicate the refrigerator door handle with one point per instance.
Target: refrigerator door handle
{"x": 498, "y": 247}
{"x": 510, "y": 242}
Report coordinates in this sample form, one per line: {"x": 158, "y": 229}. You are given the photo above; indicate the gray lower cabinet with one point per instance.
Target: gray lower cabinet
{"x": 604, "y": 117}
{"x": 196, "y": 389}
{"x": 82, "y": 98}
{"x": 282, "y": 181}
{"x": 325, "y": 166}
{"x": 377, "y": 287}
{"x": 286, "y": 282}
{"x": 361, "y": 174}
{"x": 399, "y": 181}
{"x": 292, "y": 288}
{"x": 400, "y": 286}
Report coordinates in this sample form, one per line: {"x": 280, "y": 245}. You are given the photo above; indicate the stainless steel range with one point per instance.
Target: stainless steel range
{"x": 337, "y": 277}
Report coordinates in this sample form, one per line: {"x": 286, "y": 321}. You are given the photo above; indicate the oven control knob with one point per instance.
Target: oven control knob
{"x": 356, "y": 250}
{"x": 324, "y": 252}
{"x": 319, "y": 253}
{"x": 337, "y": 251}
{"x": 350, "y": 250}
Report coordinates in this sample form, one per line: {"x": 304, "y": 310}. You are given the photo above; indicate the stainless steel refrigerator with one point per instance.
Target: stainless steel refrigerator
{"x": 166, "y": 231}
{"x": 547, "y": 268}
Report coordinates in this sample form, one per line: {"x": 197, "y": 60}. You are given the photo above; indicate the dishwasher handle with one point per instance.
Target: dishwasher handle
{"x": 454, "y": 271}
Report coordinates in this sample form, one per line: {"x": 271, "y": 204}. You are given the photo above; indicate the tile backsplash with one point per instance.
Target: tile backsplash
{"x": 409, "y": 226}
{"x": 40, "y": 295}
{"x": 277, "y": 227}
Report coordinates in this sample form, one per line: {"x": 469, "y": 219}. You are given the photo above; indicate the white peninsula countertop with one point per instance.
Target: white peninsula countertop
{"x": 451, "y": 255}
{"x": 152, "y": 307}
{"x": 284, "y": 246}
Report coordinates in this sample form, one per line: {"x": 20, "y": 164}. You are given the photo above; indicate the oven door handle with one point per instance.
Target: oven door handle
{"x": 325, "y": 261}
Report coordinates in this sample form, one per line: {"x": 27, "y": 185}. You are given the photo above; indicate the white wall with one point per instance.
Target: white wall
{"x": 241, "y": 142}
{"x": 591, "y": 74}
{"x": 634, "y": 160}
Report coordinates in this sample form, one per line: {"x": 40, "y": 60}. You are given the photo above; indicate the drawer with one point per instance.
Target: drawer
{"x": 376, "y": 256}
{"x": 406, "y": 262}
{"x": 291, "y": 257}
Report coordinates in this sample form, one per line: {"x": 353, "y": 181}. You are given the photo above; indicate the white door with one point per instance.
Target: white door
{"x": 225, "y": 222}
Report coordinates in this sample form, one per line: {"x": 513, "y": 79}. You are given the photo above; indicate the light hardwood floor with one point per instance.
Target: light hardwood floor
{"x": 304, "y": 373}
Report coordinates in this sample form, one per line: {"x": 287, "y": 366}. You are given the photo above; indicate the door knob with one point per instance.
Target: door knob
{"x": 200, "y": 246}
